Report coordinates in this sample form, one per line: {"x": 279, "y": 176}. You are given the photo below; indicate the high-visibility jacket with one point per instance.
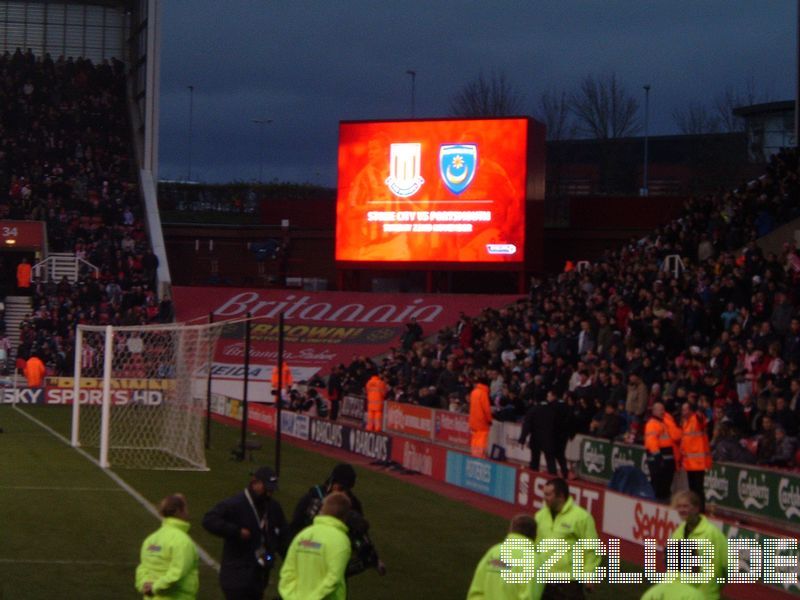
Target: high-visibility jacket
{"x": 376, "y": 392}
{"x": 662, "y": 435}
{"x": 488, "y": 582}
{"x": 35, "y": 371}
{"x": 24, "y": 275}
{"x": 287, "y": 377}
{"x": 708, "y": 531}
{"x": 695, "y": 447}
{"x": 572, "y": 523}
{"x": 674, "y": 590}
{"x": 316, "y": 562}
{"x": 480, "y": 411}
{"x": 169, "y": 561}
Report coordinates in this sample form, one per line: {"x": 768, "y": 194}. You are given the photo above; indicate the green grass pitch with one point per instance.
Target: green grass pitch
{"x": 68, "y": 531}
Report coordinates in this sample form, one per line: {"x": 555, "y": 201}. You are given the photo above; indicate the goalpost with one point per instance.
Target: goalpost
{"x": 139, "y": 394}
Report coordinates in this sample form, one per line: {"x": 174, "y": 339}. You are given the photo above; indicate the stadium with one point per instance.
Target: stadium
{"x": 483, "y": 318}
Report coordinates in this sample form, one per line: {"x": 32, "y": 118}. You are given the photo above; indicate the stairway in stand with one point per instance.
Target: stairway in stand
{"x": 16, "y": 309}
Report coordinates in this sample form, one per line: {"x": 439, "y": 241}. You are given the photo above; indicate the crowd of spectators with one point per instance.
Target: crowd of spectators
{"x": 65, "y": 158}
{"x": 719, "y": 330}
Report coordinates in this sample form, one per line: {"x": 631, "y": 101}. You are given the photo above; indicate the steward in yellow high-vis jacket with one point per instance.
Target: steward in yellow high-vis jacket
{"x": 169, "y": 560}
{"x": 315, "y": 564}
{"x": 696, "y": 527}
{"x": 488, "y": 582}
{"x": 560, "y": 518}
{"x": 673, "y": 590}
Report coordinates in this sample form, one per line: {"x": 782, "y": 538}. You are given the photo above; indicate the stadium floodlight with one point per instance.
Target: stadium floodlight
{"x": 139, "y": 394}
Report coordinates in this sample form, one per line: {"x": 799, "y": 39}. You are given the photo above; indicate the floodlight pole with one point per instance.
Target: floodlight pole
{"x": 208, "y": 386}
{"x": 413, "y": 91}
{"x": 645, "y": 191}
{"x": 191, "y": 118}
{"x": 243, "y": 442}
{"x": 261, "y": 123}
{"x": 278, "y": 397}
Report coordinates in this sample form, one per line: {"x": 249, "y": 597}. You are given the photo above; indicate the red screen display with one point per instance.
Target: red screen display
{"x": 432, "y": 191}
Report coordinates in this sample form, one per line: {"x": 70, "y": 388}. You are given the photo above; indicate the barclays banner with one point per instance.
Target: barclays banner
{"x": 376, "y": 446}
{"x": 482, "y": 476}
{"x": 328, "y": 433}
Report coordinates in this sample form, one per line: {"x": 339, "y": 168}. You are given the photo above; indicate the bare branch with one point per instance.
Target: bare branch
{"x": 495, "y": 96}
{"x": 554, "y": 112}
{"x": 695, "y": 119}
{"x": 603, "y": 108}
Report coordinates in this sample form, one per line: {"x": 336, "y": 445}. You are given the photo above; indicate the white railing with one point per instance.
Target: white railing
{"x": 56, "y": 266}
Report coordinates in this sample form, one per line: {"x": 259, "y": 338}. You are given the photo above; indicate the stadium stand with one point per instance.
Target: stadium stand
{"x": 66, "y": 159}
{"x": 695, "y": 309}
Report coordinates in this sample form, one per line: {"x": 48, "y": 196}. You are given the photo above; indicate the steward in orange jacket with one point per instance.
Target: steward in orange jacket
{"x": 662, "y": 438}
{"x": 286, "y": 379}
{"x": 376, "y": 389}
{"x": 695, "y": 450}
{"x": 480, "y": 417}
{"x": 35, "y": 371}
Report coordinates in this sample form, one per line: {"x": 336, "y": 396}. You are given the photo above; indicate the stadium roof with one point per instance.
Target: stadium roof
{"x": 764, "y": 107}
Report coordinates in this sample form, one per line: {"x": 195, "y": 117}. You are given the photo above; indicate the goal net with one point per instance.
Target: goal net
{"x": 142, "y": 394}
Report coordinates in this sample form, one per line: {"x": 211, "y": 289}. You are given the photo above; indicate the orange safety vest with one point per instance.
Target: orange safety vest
{"x": 662, "y": 435}
{"x": 376, "y": 392}
{"x": 24, "y": 275}
{"x": 287, "y": 377}
{"x": 480, "y": 411}
{"x": 34, "y": 371}
{"x": 695, "y": 447}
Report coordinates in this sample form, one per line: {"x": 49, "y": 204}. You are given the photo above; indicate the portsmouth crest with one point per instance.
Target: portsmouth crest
{"x": 457, "y": 165}
{"x": 405, "y": 177}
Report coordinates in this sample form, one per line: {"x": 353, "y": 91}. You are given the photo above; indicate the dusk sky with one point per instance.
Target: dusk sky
{"x": 308, "y": 65}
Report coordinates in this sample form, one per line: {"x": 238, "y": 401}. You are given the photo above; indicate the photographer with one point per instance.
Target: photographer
{"x": 342, "y": 479}
{"x": 255, "y": 531}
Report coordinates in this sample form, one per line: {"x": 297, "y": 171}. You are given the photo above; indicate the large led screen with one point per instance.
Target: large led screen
{"x": 432, "y": 191}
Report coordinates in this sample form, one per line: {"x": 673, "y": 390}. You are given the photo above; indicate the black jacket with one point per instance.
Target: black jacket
{"x": 308, "y": 507}
{"x": 240, "y": 568}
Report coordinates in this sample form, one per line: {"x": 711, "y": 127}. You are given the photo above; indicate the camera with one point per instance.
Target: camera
{"x": 263, "y": 558}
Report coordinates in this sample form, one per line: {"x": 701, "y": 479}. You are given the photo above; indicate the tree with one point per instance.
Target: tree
{"x": 494, "y": 96}
{"x": 695, "y": 119}
{"x": 554, "y": 112}
{"x": 603, "y": 108}
{"x": 731, "y": 98}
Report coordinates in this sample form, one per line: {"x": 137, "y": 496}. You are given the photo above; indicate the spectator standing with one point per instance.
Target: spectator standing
{"x": 480, "y": 417}
{"x": 254, "y": 530}
{"x": 169, "y": 559}
{"x": 662, "y": 437}
{"x": 318, "y": 556}
{"x": 785, "y": 449}
{"x": 636, "y": 398}
{"x": 376, "y": 390}
{"x": 488, "y": 582}
{"x": 695, "y": 449}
